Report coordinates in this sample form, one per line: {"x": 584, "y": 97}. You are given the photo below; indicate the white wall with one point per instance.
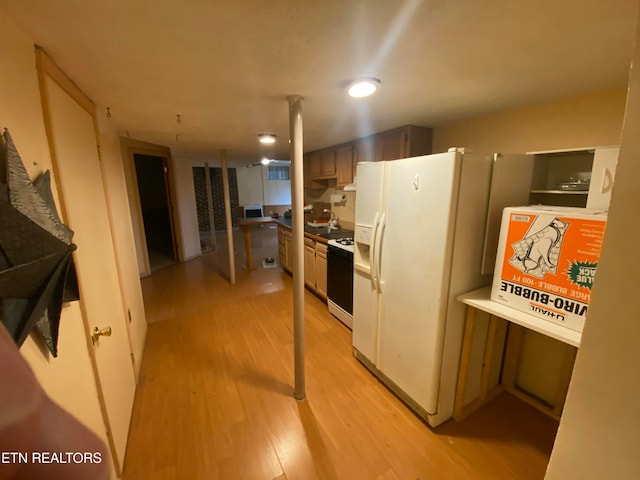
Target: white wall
{"x": 592, "y": 119}
{"x": 126, "y": 256}
{"x": 68, "y": 379}
{"x": 254, "y": 186}
{"x": 250, "y": 185}
{"x": 598, "y": 434}
{"x": 276, "y": 192}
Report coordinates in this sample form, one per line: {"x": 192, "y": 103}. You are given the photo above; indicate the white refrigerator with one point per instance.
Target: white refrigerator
{"x": 424, "y": 234}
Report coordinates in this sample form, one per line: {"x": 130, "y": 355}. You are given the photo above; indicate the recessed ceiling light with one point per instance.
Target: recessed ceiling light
{"x": 363, "y": 87}
{"x": 266, "y": 138}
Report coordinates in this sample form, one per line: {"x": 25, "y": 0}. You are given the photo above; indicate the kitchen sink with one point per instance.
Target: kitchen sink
{"x": 327, "y": 233}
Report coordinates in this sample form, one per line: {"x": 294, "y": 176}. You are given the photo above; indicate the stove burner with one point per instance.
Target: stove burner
{"x": 345, "y": 241}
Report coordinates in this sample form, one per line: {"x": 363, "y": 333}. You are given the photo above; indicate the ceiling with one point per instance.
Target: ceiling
{"x": 227, "y": 67}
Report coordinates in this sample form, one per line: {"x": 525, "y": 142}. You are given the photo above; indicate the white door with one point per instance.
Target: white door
{"x": 80, "y": 186}
{"x": 415, "y": 251}
{"x": 602, "y": 177}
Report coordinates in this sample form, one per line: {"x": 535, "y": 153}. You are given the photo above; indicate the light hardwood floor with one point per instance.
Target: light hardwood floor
{"x": 215, "y": 396}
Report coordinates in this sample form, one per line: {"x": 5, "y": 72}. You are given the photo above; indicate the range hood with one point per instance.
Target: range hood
{"x": 351, "y": 187}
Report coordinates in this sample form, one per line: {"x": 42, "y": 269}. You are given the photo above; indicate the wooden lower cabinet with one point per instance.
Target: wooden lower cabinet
{"x": 310, "y": 263}
{"x": 315, "y": 260}
{"x": 321, "y": 269}
{"x": 285, "y": 248}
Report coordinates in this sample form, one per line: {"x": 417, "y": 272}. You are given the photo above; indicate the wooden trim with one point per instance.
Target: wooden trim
{"x": 510, "y": 365}
{"x": 488, "y": 354}
{"x": 227, "y": 212}
{"x": 130, "y": 148}
{"x": 46, "y": 68}
{"x": 136, "y": 207}
{"x": 460, "y": 409}
{"x": 479, "y": 402}
{"x": 173, "y": 207}
{"x": 570, "y": 353}
{"x": 169, "y": 185}
{"x": 515, "y": 335}
{"x": 43, "y": 65}
{"x": 534, "y": 402}
{"x": 212, "y": 220}
{"x": 469, "y": 329}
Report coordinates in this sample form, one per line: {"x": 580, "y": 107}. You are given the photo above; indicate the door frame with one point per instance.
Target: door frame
{"x": 48, "y": 69}
{"x": 131, "y": 147}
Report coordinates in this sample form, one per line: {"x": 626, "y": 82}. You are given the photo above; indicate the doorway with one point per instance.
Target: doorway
{"x": 155, "y": 202}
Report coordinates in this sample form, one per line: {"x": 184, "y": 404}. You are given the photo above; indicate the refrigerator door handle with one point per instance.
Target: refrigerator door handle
{"x": 607, "y": 181}
{"x": 380, "y": 236}
{"x": 372, "y": 248}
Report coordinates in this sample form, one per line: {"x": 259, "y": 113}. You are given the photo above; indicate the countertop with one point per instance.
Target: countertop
{"x": 321, "y": 233}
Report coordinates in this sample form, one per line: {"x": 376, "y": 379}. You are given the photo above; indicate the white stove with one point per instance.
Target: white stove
{"x": 345, "y": 243}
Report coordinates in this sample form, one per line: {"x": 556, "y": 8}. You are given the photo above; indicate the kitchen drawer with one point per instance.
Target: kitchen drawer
{"x": 321, "y": 248}
{"x": 309, "y": 243}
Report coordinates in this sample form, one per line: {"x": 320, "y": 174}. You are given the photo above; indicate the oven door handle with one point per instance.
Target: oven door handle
{"x": 380, "y": 237}
{"x": 372, "y": 251}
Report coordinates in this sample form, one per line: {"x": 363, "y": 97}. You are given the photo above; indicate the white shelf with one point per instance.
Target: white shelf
{"x": 563, "y": 192}
{"x": 480, "y": 299}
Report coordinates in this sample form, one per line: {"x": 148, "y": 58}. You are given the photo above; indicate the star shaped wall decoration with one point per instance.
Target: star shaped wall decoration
{"x": 35, "y": 252}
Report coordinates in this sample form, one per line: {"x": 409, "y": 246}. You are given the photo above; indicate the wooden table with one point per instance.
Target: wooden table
{"x": 511, "y": 342}
{"x": 246, "y": 224}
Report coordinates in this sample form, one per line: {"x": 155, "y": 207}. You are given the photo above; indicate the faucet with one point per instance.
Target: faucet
{"x": 333, "y": 220}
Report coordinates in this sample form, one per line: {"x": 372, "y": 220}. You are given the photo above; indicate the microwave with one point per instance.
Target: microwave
{"x": 253, "y": 210}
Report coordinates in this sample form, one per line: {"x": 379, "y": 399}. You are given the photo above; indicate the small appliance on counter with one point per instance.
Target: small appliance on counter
{"x": 252, "y": 210}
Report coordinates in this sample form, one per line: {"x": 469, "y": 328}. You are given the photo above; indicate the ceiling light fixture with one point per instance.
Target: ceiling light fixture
{"x": 266, "y": 138}
{"x": 363, "y": 87}
{"x": 265, "y": 161}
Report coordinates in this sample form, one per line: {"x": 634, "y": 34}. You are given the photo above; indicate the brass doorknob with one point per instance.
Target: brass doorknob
{"x": 96, "y": 333}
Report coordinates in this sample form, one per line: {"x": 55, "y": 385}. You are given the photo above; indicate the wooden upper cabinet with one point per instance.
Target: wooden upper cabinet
{"x": 403, "y": 142}
{"x": 315, "y": 164}
{"x": 340, "y": 162}
{"x": 419, "y": 141}
{"x": 344, "y": 165}
{"x": 306, "y": 171}
{"x": 365, "y": 149}
{"x": 322, "y": 163}
{"x": 328, "y": 156}
{"x": 391, "y": 145}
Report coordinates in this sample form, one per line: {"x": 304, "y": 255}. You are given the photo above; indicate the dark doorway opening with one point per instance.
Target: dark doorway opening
{"x": 151, "y": 175}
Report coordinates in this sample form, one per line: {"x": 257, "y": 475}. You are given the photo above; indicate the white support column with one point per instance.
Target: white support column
{"x": 227, "y": 212}
{"x": 297, "y": 205}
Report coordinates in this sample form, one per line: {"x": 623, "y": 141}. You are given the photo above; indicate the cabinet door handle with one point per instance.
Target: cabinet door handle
{"x": 607, "y": 181}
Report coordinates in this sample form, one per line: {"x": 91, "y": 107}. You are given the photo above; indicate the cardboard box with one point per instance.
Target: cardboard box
{"x": 547, "y": 259}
